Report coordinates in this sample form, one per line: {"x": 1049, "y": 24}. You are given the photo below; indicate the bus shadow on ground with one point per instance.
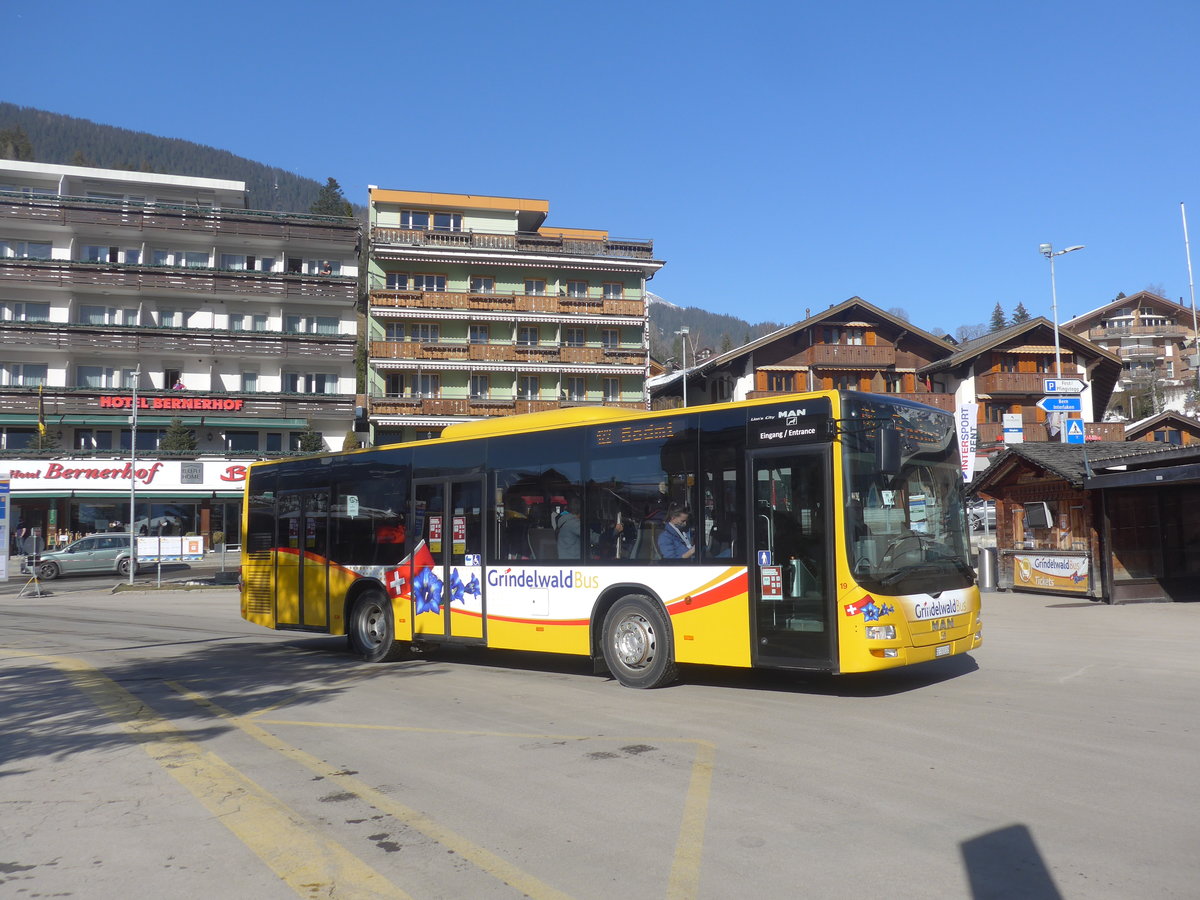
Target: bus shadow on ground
{"x": 1007, "y": 863}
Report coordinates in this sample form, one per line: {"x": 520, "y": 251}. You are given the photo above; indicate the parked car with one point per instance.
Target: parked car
{"x": 95, "y": 553}
{"x": 982, "y": 514}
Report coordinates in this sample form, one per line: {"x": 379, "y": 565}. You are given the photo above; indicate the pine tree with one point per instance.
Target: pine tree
{"x": 46, "y": 440}
{"x": 331, "y": 202}
{"x": 14, "y": 144}
{"x": 178, "y": 438}
{"x": 310, "y": 441}
{"x": 999, "y": 320}
{"x": 1020, "y": 314}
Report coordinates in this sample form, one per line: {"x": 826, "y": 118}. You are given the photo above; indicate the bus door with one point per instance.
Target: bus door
{"x": 791, "y": 562}
{"x": 447, "y": 576}
{"x": 301, "y": 572}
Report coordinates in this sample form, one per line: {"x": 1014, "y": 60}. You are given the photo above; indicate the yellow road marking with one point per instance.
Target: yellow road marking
{"x": 689, "y": 851}
{"x": 481, "y": 858}
{"x": 310, "y": 865}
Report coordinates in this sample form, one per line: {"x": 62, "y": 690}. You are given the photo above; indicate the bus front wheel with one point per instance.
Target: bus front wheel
{"x": 637, "y": 643}
{"x": 372, "y": 628}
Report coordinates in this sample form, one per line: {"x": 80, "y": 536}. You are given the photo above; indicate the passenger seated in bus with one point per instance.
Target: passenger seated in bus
{"x": 675, "y": 541}
{"x": 567, "y": 530}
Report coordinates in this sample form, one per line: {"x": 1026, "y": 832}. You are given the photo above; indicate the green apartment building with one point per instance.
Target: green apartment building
{"x": 477, "y": 308}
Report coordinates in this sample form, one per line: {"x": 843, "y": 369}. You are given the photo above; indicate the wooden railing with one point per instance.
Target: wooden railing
{"x": 834, "y": 355}
{"x": 1019, "y": 382}
{"x": 1116, "y": 331}
{"x": 507, "y": 352}
{"x": 477, "y": 406}
{"x": 992, "y": 432}
{"x": 552, "y": 304}
{"x": 531, "y": 243}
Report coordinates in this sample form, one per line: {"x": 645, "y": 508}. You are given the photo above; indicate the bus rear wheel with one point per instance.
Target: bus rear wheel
{"x": 637, "y": 643}
{"x": 372, "y": 628}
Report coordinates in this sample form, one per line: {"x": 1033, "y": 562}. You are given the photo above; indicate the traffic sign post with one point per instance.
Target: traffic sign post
{"x": 1063, "y": 385}
{"x": 1061, "y": 404}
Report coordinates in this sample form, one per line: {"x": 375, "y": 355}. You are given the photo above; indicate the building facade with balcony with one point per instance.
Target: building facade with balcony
{"x": 1155, "y": 340}
{"x": 239, "y": 322}
{"x": 853, "y": 345}
{"x": 477, "y": 308}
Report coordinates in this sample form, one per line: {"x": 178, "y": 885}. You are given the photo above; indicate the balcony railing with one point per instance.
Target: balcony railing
{"x": 1141, "y": 352}
{"x": 939, "y": 401}
{"x": 834, "y": 355}
{"x": 993, "y": 432}
{"x": 159, "y": 217}
{"x": 496, "y": 351}
{"x": 64, "y": 273}
{"x": 1019, "y": 382}
{"x": 134, "y": 340}
{"x": 1117, "y": 331}
{"x": 553, "y": 304}
{"x": 481, "y": 406}
{"x": 74, "y": 401}
{"x": 388, "y": 238}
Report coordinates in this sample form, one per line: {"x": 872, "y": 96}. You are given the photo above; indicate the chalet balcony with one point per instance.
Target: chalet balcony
{"x": 1035, "y": 432}
{"x": 1141, "y": 352}
{"x": 86, "y": 401}
{"x": 135, "y": 279}
{"x": 398, "y": 238}
{"x": 939, "y": 401}
{"x": 135, "y": 340}
{"x": 833, "y": 356}
{"x": 507, "y": 352}
{"x": 1027, "y": 383}
{"x": 552, "y": 304}
{"x": 1149, "y": 331}
{"x": 478, "y": 407}
{"x": 159, "y": 219}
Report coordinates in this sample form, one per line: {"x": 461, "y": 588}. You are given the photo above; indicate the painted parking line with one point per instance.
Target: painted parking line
{"x": 311, "y": 865}
{"x": 684, "y": 880}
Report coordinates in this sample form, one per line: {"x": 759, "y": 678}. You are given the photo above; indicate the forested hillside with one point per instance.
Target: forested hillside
{"x": 712, "y": 331}
{"x": 66, "y": 140}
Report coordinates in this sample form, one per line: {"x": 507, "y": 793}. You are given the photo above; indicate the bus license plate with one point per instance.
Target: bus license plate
{"x": 943, "y": 650}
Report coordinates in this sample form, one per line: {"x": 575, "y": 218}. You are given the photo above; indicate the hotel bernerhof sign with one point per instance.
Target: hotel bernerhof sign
{"x": 199, "y": 476}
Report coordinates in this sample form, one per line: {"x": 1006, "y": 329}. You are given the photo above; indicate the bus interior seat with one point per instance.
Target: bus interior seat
{"x": 543, "y": 543}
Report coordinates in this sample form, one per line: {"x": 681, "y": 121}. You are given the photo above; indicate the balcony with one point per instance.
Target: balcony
{"x": 134, "y": 340}
{"x": 81, "y": 401}
{"x": 1026, "y": 383}
{"x": 164, "y": 217}
{"x": 552, "y": 304}
{"x": 1035, "y": 432}
{"x": 1140, "y": 352}
{"x": 1150, "y": 331}
{"x": 63, "y": 273}
{"x": 507, "y": 352}
{"x": 851, "y": 356}
{"x": 478, "y": 407}
{"x": 396, "y": 238}
{"x": 939, "y": 401}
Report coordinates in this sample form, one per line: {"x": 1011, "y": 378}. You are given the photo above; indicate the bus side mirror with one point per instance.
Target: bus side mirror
{"x": 887, "y": 451}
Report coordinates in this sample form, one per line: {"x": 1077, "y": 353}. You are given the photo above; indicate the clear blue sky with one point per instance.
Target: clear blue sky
{"x": 782, "y": 156}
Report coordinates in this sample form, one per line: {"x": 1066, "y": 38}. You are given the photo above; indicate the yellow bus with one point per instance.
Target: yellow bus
{"x": 823, "y": 531}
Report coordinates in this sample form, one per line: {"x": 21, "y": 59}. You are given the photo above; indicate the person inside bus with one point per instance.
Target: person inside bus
{"x": 675, "y": 540}
{"x": 567, "y": 530}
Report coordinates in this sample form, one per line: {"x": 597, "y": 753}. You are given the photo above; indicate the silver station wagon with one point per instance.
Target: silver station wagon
{"x": 95, "y": 553}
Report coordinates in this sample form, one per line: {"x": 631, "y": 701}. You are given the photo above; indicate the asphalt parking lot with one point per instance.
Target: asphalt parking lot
{"x": 155, "y": 744}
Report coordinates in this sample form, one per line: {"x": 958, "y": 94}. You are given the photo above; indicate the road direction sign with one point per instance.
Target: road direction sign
{"x": 1063, "y": 386}
{"x": 1061, "y": 404}
{"x": 1074, "y": 431}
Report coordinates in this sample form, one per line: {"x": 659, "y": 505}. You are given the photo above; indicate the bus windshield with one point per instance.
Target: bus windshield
{"x": 906, "y": 526}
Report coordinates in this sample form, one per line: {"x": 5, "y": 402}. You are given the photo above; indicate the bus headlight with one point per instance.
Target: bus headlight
{"x": 881, "y": 632}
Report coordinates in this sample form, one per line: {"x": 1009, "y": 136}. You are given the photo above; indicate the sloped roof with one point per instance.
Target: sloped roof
{"x": 1141, "y": 298}
{"x": 1072, "y": 462}
{"x": 1137, "y": 429}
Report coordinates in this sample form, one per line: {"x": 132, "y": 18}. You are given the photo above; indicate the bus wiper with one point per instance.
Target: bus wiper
{"x": 929, "y": 567}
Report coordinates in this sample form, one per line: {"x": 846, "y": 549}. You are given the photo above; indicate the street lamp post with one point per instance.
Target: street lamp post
{"x": 1049, "y": 252}
{"x": 683, "y": 333}
{"x": 133, "y": 411}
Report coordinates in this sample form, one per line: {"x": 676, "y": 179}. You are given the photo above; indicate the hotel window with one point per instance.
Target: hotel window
{"x": 94, "y": 253}
{"x": 241, "y": 441}
{"x": 610, "y": 338}
{"x": 429, "y": 282}
{"x": 576, "y": 387}
{"x": 95, "y": 377}
{"x": 310, "y": 383}
{"x": 482, "y": 284}
{"x": 479, "y": 334}
{"x": 422, "y": 220}
{"x": 429, "y": 384}
{"x": 192, "y": 259}
{"x": 259, "y": 322}
{"x": 27, "y": 312}
{"x": 92, "y": 439}
{"x": 294, "y": 324}
{"x": 573, "y": 337}
{"x": 613, "y": 290}
{"x": 481, "y": 387}
{"x": 249, "y": 382}
{"x": 393, "y": 384}
{"x": 27, "y": 374}
{"x": 527, "y": 336}
{"x": 781, "y": 381}
{"x": 237, "y": 322}
{"x": 240, "y": 262}
{"x": 528, "y": 387}
{"x": 106, "y": 315}
{"x": 397, "y": 281}
{"x": 612, "y": 389}
{"x": 147, "y": 438}
{"x": 322, "y": 267}
{"x": 577, "y": 288}
{"x": 425, "y": 332}
{"x": 18, "y": 438}
{"x": 325, "y": 325}
{"x": 394, "y": 331}
{"x": 169, "y": 318}
{"x": 274, "y": 442}
{"x": 535, "y": 287}
{"x": 25, "y": 249}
